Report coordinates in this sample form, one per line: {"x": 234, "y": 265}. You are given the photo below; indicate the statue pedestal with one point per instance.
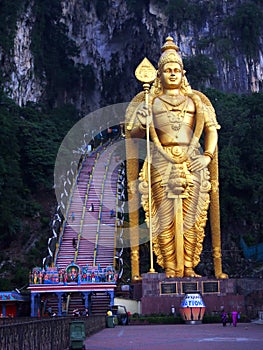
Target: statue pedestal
{"x": 161, "y": 294}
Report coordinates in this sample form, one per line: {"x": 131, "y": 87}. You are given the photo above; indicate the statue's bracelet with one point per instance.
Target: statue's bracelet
{"x": 209, "y": 154}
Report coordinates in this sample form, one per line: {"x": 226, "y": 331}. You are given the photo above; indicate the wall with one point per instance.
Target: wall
{"x": 44, "y": 334}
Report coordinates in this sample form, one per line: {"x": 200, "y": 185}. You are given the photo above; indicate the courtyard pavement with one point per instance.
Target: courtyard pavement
{"x": 245, "y": 336}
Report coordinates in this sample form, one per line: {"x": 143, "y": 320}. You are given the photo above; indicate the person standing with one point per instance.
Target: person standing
{"x": 74, "y": 244}
{"x": 234, "y": 318}
{"x": 224, "y": 318}
{"x": 91, "y": 208}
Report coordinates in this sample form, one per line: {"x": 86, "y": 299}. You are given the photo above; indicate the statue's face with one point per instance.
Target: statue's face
{"x": 171, "y": 75}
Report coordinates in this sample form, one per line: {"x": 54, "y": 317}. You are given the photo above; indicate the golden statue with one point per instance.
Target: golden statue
{"x": 177, "y": 181}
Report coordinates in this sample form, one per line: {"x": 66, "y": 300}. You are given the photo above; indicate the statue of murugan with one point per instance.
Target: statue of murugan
{"x": 183, "y": 180}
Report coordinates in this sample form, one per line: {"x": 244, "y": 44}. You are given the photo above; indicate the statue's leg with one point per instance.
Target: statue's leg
{"x": 195, "y": 216}
{"x": 164, "y": 229}
{"x": 189, "y": 252}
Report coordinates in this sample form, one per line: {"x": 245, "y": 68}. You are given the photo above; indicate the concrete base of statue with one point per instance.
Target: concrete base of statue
{"x": 159, "y": 294}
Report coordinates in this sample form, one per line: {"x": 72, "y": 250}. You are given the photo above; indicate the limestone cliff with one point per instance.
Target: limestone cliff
{"x": 111, "y": 37}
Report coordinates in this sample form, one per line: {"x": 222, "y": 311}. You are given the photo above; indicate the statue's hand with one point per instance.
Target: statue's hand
{"x": 199, "y": 162}
{"x": 144, "y": 115}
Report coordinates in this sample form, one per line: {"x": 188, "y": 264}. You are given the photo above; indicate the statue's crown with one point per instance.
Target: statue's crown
{"x": 169, "y": 53}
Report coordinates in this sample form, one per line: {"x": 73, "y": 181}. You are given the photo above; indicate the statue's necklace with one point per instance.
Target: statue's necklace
{"x": 176, "y": 115}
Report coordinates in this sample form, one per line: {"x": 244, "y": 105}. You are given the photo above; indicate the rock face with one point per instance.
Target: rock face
{"x": 22, "y": 84}
{"x": 113, "y": 36}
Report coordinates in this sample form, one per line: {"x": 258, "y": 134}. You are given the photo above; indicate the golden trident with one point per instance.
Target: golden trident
{"x": 146, "y": 73}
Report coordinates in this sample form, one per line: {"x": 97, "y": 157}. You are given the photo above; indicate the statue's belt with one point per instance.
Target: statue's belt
{"x": 176, "y": 154}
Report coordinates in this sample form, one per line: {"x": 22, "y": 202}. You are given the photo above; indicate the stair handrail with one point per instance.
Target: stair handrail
{"x": 100, "y": 208}
{"x": 68, "y": 301}
{"x": 116, "y": 222}
{"x": 62, "y": 229}
{"x": 84, "y": 207}
{"x": 98, "y": 151}
{"x": 86, "y": 155}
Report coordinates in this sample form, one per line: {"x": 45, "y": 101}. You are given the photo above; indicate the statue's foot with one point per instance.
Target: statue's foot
{"x": 221, "y": 275}
{"x": 189, "y": 272}
{"x": 170, "y": 273}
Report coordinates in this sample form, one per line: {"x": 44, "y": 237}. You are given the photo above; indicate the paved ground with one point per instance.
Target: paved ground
{"x": 174, "y": 337}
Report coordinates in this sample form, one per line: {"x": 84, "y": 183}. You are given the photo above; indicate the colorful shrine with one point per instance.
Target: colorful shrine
{"x": 13, "y": 304}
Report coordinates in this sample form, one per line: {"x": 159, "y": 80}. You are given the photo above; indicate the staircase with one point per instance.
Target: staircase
{"x": 96, "y": 245}
{"x": 93, "y": 231}
{"x": 51, "y": 304}
{"x": 106, "y": 240}
{"x": 100, "y": 303}
{"x": 76, "y": 302}
{"x": 66, "y": 252}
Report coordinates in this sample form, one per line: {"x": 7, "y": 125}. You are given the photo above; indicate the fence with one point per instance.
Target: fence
{"x": 43, "y": 334}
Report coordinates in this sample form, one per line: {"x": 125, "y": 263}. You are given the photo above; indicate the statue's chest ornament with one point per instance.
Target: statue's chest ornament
{"x": 176, "y": 120}
{"x": 176, "y": 111}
